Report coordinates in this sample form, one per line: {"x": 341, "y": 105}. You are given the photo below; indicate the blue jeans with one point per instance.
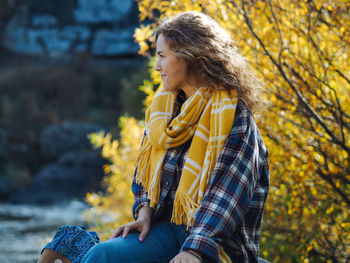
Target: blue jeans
{"x": 162, "y": 244}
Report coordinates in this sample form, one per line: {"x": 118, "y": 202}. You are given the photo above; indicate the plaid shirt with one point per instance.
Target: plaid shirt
{"x": 232, "y": 208}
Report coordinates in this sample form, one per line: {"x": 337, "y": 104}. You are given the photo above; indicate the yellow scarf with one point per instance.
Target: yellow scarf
{"x": 207, "y": 116}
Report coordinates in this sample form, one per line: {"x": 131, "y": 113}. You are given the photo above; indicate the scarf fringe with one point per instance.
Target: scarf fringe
{"x": 183, "y": 209}
{"x": 223, "y": 257}
{"x": 184, "y": 215}
{"x": 154, "y": 187}
{"x": 143, "y": 162}
{"x": 149, "y": 183}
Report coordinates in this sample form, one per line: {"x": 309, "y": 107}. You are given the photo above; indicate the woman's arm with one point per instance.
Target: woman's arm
{"x": 140, "y": 198}
{"x": 140, "y": 195}
{"x": 232, "y": 189}
{"x": 145, "y": 213}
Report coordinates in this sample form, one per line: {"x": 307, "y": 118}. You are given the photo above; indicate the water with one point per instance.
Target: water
{"x": 25, "y": 229}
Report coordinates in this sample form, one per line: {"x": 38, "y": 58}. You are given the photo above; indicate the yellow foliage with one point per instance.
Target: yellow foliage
{"x": 142, "y": 36}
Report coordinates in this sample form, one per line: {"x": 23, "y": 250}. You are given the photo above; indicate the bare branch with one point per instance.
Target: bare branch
{"x": 342, "y": 75}
{"x": 279, "y": 32}
{"x": 303, "y": 127}
{"x": 325, "y": 82}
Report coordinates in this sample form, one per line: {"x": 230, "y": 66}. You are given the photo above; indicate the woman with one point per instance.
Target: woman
{"x": 202, "y": 173}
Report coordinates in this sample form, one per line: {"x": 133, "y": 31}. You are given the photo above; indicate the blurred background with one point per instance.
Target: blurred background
{"x": 76, "y": 75}
{"x": 67, "y": 68}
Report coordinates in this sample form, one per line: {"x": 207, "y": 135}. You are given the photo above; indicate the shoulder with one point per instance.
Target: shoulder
{"x": 244, "y": 119}
{"x": 245, "y": 126}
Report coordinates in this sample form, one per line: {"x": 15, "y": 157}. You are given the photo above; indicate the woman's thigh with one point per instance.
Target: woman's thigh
{"x": 162, "y": 244}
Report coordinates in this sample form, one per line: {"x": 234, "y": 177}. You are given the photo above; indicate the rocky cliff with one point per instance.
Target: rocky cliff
{"x": 56, "y": 29}
{"x": 67, "y": 68}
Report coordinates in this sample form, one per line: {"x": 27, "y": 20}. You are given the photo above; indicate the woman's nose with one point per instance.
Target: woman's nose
{"x": 158, "y": 67}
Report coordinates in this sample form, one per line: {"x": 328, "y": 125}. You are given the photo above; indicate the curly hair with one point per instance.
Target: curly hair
{"x": 211, "y": 54}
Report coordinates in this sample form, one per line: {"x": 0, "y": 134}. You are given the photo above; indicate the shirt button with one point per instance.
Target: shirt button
{"x": 167, "y": 183}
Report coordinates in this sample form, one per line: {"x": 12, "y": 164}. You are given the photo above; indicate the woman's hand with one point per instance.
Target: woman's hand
{"x": 185, "y": 257}
{"x": 142, "y": 225}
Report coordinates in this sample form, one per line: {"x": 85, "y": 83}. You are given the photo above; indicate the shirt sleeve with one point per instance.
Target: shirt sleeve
{"x": 140, "y": 195}
{"x": 229, "y": 191}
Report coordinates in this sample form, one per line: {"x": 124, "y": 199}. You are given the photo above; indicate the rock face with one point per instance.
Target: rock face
{"x": 67, "y": 73}
{"x": 99, "y": 27}
{"x": 74, "y": 168}
{"x": 56, "y": 140}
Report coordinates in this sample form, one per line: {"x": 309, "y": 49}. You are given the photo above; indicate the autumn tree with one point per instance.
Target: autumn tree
{"x": 300, "y": 51}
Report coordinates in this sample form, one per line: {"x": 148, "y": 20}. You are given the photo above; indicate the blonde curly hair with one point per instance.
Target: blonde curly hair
{"x": 211, "y": 54}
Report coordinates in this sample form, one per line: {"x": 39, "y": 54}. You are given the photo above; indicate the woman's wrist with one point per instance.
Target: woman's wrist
{"x": 145, "y": 213}
{"x": 194, "y": 253}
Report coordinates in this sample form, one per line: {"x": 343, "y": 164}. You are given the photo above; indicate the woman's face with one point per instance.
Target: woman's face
{"x": 172, "y": 69}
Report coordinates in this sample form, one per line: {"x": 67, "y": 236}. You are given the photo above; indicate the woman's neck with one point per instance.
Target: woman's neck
{"x": 189, "y": 89}
{"x": 188, "y": 92}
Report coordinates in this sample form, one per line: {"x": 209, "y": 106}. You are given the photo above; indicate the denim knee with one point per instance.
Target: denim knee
{"x": 96, "y": 254}
{"x": 109, "y": 251}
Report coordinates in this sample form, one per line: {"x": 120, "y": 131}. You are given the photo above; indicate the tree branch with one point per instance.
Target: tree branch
{"x": 279, "y": 32}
